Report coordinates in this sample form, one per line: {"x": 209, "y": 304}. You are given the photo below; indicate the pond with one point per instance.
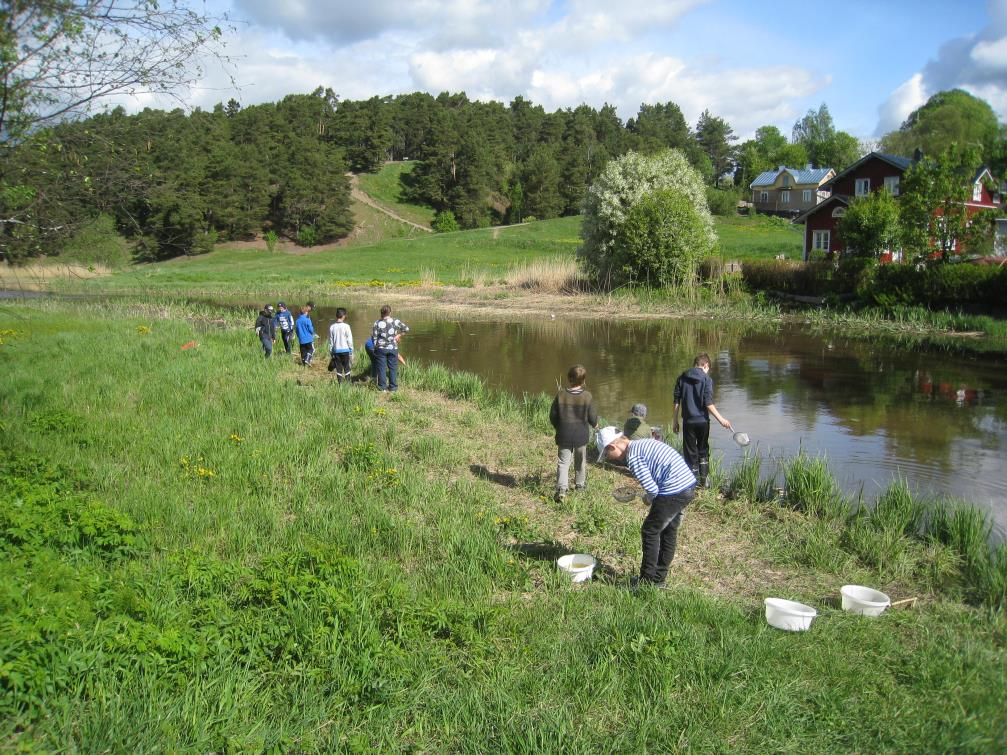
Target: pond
{"x": 877, "y": 411}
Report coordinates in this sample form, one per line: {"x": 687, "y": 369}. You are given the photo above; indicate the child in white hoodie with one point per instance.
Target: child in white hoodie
{"x": 340, "y": 346}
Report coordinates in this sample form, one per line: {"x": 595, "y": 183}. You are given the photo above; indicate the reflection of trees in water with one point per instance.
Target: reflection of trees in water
{"x": 869, "y": 389}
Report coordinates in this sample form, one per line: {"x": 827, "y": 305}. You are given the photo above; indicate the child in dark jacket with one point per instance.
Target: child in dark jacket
{"x": 572, "y": 414}
{"x": 694, "y": 399}
{"x": 265, "y": 329}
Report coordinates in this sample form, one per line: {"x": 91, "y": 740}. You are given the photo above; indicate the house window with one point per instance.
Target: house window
{"x": 786, "y": 179}
{"x": 764, "y": 196}
{"x": 892, "y": 185}
{"x": 785, "y": 197}
{"x": 977, "y": 191}
{"x": 820, "y": 240}
{"x": 863, "y": 187}
{"x": 806, "y": 196}
{"x": 839, "y": 212}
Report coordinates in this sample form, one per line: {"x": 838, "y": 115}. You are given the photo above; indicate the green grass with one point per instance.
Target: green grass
{"x": 759, "y": 237}
{"x": 448, "y": 258}
{"x": 202, "y": 550}
{"x": 372, "y": 226}
{"x": 386, "y": 187}
{"x": 903, "y": 538}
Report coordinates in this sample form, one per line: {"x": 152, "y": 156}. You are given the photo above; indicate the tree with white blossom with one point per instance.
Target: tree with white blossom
{"x": 646, "y": 221}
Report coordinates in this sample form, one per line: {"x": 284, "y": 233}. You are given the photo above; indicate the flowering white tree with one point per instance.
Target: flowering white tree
{"x": 608, "y": 254}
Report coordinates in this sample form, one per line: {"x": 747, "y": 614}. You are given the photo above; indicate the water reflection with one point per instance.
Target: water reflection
{"x": 876, "y": 410}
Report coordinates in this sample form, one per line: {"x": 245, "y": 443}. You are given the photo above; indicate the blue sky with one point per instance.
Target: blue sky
{"x": 752, "y": 63}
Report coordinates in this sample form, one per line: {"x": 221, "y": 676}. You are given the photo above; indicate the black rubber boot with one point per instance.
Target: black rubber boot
{"x": 704, "y": 472}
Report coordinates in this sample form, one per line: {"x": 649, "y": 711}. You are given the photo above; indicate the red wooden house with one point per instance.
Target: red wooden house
{"x": 873, "y": 172}
{"x": 870, "y": 173}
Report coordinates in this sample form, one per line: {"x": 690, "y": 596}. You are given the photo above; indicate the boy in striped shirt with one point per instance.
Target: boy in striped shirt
{"x": 670, "y": 486}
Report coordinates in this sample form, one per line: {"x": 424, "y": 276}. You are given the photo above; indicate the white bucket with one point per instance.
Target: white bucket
{"x": 789, "y": 615}
{"x": 864, "y": 600}
{"x": 579, "y": 566}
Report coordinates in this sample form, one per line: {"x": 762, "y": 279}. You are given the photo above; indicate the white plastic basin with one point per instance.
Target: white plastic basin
{"x": 864, "y": 600}
{"x": 578, "y": 566}
{"x": 789, "y": 615}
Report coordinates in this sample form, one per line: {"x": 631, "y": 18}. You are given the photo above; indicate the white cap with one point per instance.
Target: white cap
{"x": 604, "y": 438}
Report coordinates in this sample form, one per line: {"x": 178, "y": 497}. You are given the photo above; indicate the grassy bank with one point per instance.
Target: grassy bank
{"x": 204, "y": 550}
{"x": 385, "y": 186}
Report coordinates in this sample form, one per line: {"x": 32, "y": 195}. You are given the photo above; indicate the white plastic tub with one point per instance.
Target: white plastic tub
{"x": 578, "y": 566}
{"x": 864, "y": 600}
{"x": 789, "y": 615}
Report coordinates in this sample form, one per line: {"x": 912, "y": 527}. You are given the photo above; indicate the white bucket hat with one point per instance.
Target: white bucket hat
{"x": 604, "y": 437}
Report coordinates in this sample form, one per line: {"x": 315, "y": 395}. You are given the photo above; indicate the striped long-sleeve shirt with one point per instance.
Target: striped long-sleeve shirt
{"x": 658, "y": 467}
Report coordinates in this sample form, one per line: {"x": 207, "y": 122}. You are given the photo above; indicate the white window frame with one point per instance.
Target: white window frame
{"x": 977, "y": 191}
{"x": 862, "y": 187}
{"x": 892, "y": 185}
{"x": 763, "y": 196}
{"x": 806, "y": 196}
{"x": 820, "y": 240}
{"x": 839, "y": 212}
{"x": 786, "y": 180}
{"x": 785, "y": 196}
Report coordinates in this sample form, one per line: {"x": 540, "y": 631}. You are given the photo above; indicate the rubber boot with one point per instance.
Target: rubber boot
{"x": 704, "y": 471}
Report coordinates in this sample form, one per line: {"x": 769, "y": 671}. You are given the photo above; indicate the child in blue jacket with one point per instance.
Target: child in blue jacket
{"x": 306, "y": 334}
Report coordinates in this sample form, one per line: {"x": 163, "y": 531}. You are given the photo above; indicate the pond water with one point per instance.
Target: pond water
{"x": 878, "y": 411}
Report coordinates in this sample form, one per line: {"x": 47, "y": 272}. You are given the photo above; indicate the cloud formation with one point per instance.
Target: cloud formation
{"x": 976, "y": 63}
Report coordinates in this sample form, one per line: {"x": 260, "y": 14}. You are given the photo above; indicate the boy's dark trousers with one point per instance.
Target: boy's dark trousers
{"x": 660, "y": 534}
{"x": 267, "y": 345}
{"x": 307, "y": 351}
{"x": 388, "y": 364}
{"x": 288, "y": 337}
{"x": 340, "y": 364}
{"x": 696, "y": 447}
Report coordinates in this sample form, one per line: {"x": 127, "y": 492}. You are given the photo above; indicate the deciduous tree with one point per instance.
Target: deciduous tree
{"x": 625, "y": 182}
{"x": 934, "y": 211}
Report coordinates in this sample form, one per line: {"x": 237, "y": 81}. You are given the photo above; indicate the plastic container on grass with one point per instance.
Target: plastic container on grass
{"x": 864, "y": 600}
{"x": 789, "y": 614}
{"x": 578, "y": 566}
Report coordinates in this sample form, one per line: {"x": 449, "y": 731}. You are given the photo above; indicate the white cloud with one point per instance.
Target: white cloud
{"x": 904, "y": 100}
{"x": 976, "y": 63}
{"x": 464, "y": 22}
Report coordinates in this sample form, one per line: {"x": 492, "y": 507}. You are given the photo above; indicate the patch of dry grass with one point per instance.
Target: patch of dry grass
{"x": 37, "y": 276}
{"x": 549, "y": 275}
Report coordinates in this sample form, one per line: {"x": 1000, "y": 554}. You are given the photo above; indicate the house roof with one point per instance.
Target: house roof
{"x": 983, "y": 170}
{"x": 902, "y": 163}
{"x": 801, "y": 176}
{"x": 842, "y": 199}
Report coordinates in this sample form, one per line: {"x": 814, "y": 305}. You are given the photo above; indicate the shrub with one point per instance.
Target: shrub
{"x": 942, "y": 285}
{"x": 307, "y": 236}
{"x": 622, "y": 185}
{"x": 270, "y": 238}
{"x": 722, "y": 202}
{"x": 660, "y": 242}
{"x": 790, "y": 277}
{"x": 97, "y": 242}
{"x": 445, "y": 222}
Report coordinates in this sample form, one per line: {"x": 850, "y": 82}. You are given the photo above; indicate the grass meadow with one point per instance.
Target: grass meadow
{"x": 386, "y": 187}
{"x": 205, "y": 550}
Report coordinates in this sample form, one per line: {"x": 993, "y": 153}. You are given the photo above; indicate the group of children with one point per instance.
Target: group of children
{"x": 668, "y": 478}
{"x": 382, "y": 347}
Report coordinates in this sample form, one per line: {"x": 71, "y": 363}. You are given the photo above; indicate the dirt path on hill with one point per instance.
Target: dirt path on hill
{"x": 363, "y": 197}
